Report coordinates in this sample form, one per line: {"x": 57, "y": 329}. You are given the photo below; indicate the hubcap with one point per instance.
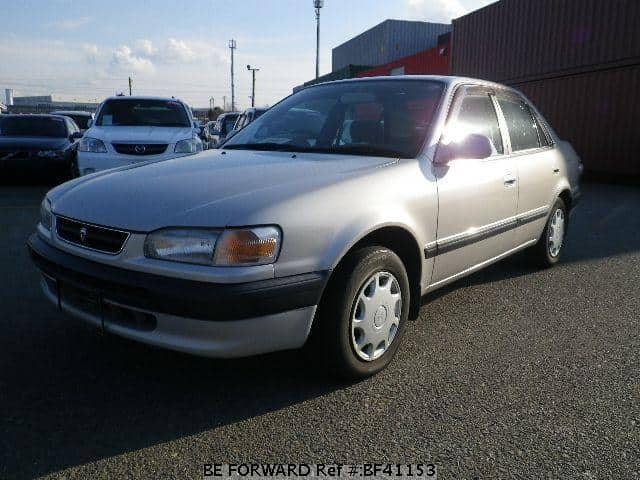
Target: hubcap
{"x": 556, "y": 232}
{"x": 376, "y": 316}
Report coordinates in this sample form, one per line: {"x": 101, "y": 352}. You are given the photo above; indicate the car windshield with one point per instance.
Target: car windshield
{"x": 28, "y": 126}
{"x": 136, "y": 112}
{"x": 374, "y": 117}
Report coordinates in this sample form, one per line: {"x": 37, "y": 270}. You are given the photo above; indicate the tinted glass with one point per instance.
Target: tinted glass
{"x": 520, "y": 123}
{"x": 81, "y": 120}
{"x": 478, "y": 115}
{"x": 385, "y": 118}
{"x": 28, "y": 126}
{"x": 132, "y": 112}
{"x": 229, "y": 122}
{"x": 543, "y": 137}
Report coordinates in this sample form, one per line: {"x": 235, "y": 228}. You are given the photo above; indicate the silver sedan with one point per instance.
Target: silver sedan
{"x": 321, "y": 224}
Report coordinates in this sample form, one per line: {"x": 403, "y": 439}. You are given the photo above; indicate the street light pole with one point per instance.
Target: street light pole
{"x": 232, "y": 47}
{"x": 318, "y": 4}
{"x": 253, "y": 84}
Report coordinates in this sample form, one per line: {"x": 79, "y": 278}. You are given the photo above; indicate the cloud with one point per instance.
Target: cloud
{"x": 145, "y": 48}
{"x": 125, "y": 60}
{"x": 442, "y": 10}
{"x": 91, "y": 52}
{"x": 70, "y": 23}
{"x": 178, "y": 51}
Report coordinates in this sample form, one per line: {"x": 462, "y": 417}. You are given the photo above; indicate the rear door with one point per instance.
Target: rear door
{"x": 532, "y": 151}
{"x": 477, "y": 198}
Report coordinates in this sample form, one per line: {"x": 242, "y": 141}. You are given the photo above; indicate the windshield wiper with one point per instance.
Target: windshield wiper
{"x": 359, "y": 150}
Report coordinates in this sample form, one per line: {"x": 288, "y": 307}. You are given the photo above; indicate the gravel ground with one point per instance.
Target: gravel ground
{"x": 509, "y": 373}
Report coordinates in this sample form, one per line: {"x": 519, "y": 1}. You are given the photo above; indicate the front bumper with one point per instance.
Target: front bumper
{"x": 220, "y": 320}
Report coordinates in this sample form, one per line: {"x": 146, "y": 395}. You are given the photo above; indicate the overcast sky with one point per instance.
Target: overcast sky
{"x": 86, "y": 49}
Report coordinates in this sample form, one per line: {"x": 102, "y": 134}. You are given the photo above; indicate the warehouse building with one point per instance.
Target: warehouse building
{"x": 434, "y": 61}
{"x": 390, "y": 47}
{"x": 387, "y": 41}
{"x": 577, "y": 60}
{"x": 45, "y": 104}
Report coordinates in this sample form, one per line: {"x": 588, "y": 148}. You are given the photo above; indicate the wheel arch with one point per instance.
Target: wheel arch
{"x": 400, "y": 240}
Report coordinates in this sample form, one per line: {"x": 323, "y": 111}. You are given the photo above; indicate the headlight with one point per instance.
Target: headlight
{"x": 50, "y": 153}
{"x": 93, "y": 145}
{"x": 46, "y": 217}
{"x": 232, "y": 247}
{"x": 188, "y": 145}
{"x": 188, "y": 246}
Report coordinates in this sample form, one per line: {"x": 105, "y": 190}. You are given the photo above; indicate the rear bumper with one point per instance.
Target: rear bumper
{"x": 202, "y": 318}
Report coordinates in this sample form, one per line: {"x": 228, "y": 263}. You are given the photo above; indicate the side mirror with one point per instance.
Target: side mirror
{"x": 89, "y": 123}
{"x": 76, "y": 136}
{"x": 473, "y": 146}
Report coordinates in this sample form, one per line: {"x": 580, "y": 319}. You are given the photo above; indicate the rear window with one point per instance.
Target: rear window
{"x": 27, "y": 126}
{"x": 229, "y": 122}
{"x": 132, "y": 112}
{"x": 81, "y": 120}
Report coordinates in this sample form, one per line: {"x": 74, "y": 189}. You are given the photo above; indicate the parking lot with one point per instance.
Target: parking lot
{"x": 512, "y": 373}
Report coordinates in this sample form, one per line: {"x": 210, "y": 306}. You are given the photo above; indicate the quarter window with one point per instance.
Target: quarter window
{"x": 522, "y": 127}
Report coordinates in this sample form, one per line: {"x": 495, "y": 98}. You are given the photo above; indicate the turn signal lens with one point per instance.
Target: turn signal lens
{"x": 251, "y": 246}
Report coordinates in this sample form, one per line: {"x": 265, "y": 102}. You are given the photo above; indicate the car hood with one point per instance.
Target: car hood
{"x": 209, "y": 189}
{"x": 8, "y": 144}
{"x": 140, "y": 134}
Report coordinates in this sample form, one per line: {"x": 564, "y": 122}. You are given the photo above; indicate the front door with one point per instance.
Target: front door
{"x": 477, "y": 198}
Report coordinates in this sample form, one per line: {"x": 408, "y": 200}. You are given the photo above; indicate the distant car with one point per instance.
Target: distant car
{"x": 42, "y": 146}
{"x": 222, "y": 127}
{"x": 248, "y": 116}
{"x": 299, "y": 233}
{"x": 82, "y": 119}
{"x": 129, "y": 130}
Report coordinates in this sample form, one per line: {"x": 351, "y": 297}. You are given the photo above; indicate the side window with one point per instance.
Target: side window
{"x": 543, "y": 135}
{"x": 523, "y": 130}
{"x": 478, "y": 115}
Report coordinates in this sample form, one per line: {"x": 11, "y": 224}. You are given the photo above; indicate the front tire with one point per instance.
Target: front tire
{"x": 363, "y": 314}
{"x": 547, "y": 252}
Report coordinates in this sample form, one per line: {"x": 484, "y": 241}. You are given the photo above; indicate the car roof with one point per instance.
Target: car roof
{"x": 71, "y": 112}
{"x": 33, "y": 115}
{"x": 143, "y": 97}
{"x": 447, "y": 79}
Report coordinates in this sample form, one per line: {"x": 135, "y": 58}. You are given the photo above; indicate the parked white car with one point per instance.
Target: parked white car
{"x": 130, "y": 130}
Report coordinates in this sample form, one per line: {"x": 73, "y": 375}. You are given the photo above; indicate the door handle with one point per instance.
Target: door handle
{"x": 509, "y": 180}
{"x": 556, "y": 171}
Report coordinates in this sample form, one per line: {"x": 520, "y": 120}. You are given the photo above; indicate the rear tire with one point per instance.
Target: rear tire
{"x": 547, "y": 252}
{"x": 362, "y": 315}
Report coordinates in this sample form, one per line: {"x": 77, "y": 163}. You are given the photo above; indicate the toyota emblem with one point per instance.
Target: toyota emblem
{"x": 139, "y": 148}
{"x": 83, "y": 235}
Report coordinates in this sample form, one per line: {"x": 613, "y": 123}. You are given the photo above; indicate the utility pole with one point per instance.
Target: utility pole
{"x": 318, "y": 4}
{"x": 130, "y": 85}
{"x": 253, "y": 84}
{"x": 224, "y": 103}
{"x": 232, "y": 47}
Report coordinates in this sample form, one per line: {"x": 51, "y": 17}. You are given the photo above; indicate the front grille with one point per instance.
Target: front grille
{"x": 103, "y": 239}
{"x": 140, "y": 148}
